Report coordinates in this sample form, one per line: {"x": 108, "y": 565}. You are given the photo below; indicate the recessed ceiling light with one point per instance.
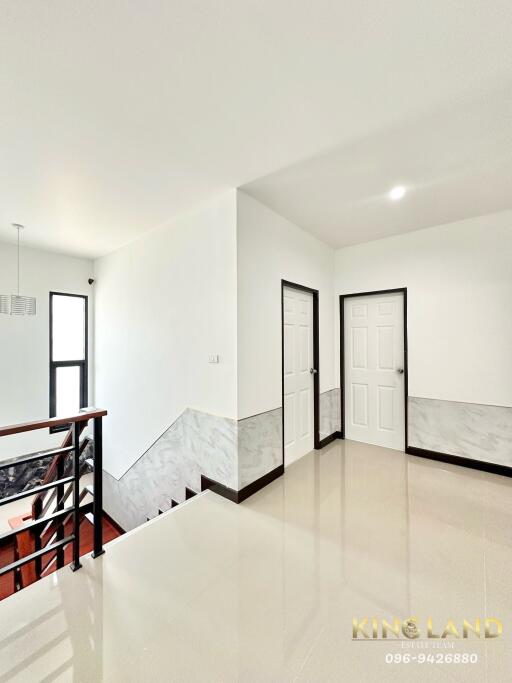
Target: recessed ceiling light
{"x": 397, "y": 193}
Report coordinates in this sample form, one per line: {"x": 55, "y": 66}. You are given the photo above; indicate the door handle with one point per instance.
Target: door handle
{"x": 400, "y": 371}
{"x": 313, "y": 371}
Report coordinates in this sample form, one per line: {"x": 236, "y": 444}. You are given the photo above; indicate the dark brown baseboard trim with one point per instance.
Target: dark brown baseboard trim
{"x": 260, "y": 483}
{"x": 208, "y": 484}
{"x": 480, "y": 465}
{"x": 243, "y": 494}
{"x": 328, "y": 439}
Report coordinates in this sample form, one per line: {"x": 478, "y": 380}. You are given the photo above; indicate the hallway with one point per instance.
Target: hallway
{"x": 267, "y": 590}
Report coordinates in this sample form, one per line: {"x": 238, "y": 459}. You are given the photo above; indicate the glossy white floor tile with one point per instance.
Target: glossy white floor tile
{"x": 266, "y": 591}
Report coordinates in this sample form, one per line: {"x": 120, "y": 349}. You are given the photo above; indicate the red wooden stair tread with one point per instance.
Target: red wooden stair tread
{"x": 7, "y": 552}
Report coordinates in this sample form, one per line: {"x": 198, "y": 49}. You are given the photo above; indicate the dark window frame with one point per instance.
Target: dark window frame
{"x": 83, "y": 364}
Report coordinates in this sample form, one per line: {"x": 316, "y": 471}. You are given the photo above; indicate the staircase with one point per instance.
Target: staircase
{"x": 189, "y": 493}
{"x": 54, "y": 560}
{"x": 65, "y": 521}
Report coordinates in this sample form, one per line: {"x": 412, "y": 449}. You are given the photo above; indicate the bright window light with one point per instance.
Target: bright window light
{"x": 68, "y": 355}
{"x": 68, "y": 328}
{"x": 68, "y": 391}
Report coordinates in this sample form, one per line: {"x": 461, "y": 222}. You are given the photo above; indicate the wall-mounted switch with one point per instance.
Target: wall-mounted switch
{"x": 214, "y": 358}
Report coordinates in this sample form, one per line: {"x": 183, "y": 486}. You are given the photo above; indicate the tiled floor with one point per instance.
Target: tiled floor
{"x": 266, "y": 591}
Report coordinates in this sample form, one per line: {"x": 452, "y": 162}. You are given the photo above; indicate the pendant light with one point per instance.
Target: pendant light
{"x": 16, "y": 304}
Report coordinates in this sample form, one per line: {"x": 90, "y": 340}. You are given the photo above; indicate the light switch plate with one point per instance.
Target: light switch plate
{"x": 213, "y": 358}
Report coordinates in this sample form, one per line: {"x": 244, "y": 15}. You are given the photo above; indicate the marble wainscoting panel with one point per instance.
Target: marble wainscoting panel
{"x": 330, "y": 412}
{"x": 197, "y": 443}
{"x": 18, "y": 478}
{"x": 471, "y": 430}
{"x": 210, "y": 443}
{"x": 260, "y": 446}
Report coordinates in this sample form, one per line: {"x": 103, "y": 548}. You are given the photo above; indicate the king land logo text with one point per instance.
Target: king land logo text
{"x": 372, "y": 628}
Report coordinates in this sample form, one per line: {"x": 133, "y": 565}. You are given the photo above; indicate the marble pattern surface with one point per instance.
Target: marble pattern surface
{"x": 196, "y": 443}
{"x": 18, "y": 478}
{"x": 330, "y": 412}
{"x": 260, "y": 446}
{"x": 233, "y": 453}
{"x": 260, "y": 437}
{"x": 471, "y": 430}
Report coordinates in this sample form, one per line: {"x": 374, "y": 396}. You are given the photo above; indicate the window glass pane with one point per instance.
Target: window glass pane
{"x": 68, "y": 327}
{"x": 68, "y": 391}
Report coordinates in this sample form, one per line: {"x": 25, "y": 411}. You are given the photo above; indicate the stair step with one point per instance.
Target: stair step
{"x": 90, "y": 489}
{"x": 89, "y": 517}
{"x": 90, "y": 462}
{"x": 160, "y": 512}
{"x": 189, "y": 493}
{"x": 174, "y": 503}
{"x": 47, "y": 566}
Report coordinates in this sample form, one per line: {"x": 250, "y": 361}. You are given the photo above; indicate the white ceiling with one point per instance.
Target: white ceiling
{"x": 116, "y": 116}
{"x": 455, "y": 163}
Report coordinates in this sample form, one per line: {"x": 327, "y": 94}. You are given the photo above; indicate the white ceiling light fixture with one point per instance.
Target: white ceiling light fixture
{"x": 16, "y": 304}
{"x": 397, "y": 193}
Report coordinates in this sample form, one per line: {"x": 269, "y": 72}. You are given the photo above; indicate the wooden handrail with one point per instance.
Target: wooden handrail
{"x": 52, "y": 422}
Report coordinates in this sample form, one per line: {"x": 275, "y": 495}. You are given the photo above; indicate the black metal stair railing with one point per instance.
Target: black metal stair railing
{"x": 47, "y": 525}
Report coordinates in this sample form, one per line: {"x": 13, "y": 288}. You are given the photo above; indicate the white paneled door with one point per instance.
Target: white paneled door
{"x": 374, "y": 370}
{"x": 298, "y": 374}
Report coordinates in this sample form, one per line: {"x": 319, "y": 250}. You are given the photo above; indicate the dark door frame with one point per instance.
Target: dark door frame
{"x": 316, "y": 359}
{"x": 398, "y": 290}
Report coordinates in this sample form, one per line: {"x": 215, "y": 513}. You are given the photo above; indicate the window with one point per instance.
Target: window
{"x": 68, "y": 355}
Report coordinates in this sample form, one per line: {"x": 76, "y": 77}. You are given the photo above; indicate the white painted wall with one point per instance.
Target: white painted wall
{"x": 24, "y": 341}
{"x": 163, "y": 304}
{"x": 459, "y": 285}
{"x": 270, "y": 248}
